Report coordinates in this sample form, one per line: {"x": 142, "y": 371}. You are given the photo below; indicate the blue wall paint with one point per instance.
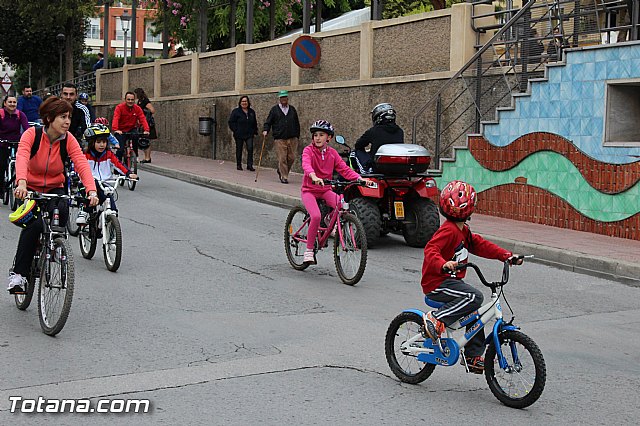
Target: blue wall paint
{"x": 572, "y": 102}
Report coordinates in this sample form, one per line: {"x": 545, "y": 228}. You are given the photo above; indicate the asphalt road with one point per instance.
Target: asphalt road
{"x": 206, "y": 319}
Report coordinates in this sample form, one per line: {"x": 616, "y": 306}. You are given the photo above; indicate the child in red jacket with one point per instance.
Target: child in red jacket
{"x": 450, "y": 246}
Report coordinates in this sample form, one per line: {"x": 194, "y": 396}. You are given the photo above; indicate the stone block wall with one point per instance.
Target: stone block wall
{"x": 217, "y": 72}
{"x": 176, "y": 77}
{"x": 142, "y": 77}
{"x": 347, "y": 108}
{"x": 413, "y": 48}
{"x": 340, "y": 60}
{"x": 268, "y": 67}
{"x": 110, "y": 85}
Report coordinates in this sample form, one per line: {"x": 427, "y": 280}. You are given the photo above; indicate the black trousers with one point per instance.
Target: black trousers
{"x": 29, "y": 236}
{"x": 239, "y": 144}
{"x": 123, "y": 148}
{"x": 460, "y": 299}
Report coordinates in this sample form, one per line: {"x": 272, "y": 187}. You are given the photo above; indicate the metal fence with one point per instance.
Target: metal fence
{"x": 513, "y": 46}
{"x": 85, "y": 83}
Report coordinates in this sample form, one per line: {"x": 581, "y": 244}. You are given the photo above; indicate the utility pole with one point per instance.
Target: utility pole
{"x": 165, "y": 31}
{"x": 202, "y": 27}
{"x": 105, "y": 34}
{"x": 134, "y": 34}
{"x": 249, "y": 37}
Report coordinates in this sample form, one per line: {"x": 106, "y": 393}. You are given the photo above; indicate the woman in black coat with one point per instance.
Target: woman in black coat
{"x": 244, "y": 125}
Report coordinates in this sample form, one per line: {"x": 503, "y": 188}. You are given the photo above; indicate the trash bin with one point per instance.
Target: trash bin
{"x": 205, "y": 127}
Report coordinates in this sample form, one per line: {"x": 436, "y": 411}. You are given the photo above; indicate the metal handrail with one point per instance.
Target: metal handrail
{"x": 85, "y": 83}
{"x": 470, "y": 62}
{"x": 518, "y": 54}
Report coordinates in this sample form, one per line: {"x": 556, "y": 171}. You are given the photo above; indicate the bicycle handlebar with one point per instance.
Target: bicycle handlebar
{"x": 113, "y": 182}
{"x": 505, "y": 270}
{"x": 39, "y": 196}
{"x": 343, "y": 183}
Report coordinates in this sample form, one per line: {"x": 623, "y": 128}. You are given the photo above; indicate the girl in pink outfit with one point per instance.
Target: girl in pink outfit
{"x": 319, "y": 161}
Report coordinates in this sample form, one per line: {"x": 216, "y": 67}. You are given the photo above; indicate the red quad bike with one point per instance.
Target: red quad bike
{"x": 402, "y": 202}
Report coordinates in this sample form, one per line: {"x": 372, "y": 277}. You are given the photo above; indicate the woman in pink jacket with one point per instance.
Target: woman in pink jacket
{"x": 43, "y": 171}
{"x": 319, "y": 161}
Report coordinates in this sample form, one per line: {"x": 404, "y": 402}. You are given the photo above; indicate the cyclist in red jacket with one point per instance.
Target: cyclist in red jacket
{"x": 127, "y": 117}
{"x": 449, "y": 246}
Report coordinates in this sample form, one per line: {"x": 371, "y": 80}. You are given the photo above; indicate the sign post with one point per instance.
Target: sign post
{"x": 305, "y": 52}
{"x": 6, "y": 83}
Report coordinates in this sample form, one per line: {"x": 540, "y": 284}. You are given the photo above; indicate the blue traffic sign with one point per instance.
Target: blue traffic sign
{"x": 305, "y": 52}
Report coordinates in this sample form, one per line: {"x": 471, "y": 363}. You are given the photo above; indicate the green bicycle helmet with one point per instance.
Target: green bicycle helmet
{"x": 27, "y": 213}
{"x": 96, "y": 131}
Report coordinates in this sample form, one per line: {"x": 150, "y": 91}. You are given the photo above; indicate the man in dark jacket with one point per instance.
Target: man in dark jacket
{"x": 80, "y": 117}
{"x": 283, "y": 119}
{"x": 384, "y": 131}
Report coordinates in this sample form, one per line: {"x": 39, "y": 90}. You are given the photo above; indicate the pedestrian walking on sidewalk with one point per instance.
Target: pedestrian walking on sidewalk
{"x": 283, "y": 119}
{"x": 244, "y": 125}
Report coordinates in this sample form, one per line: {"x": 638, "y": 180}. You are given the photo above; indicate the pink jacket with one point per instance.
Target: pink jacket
{"x": 323, "y": 163}
{"x": 45, "y": 170}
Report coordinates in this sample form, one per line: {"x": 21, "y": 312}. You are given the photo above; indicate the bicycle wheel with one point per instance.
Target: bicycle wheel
{"x": 404, "y": 332}
{"x": 24, "y": 300}
{"x": 89, "y": 239}
{"x": 112, "y": 244}
{"x": 295, "y": 237}
{"x": 72, "y": 227}
{"x": 350, "y": 254}
{"x": 522, "y": 382}
{"x": 55, "y": 292}
{"x": 132, "y": 164}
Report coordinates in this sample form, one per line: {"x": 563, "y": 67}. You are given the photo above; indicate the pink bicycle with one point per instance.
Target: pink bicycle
{"x": 349, "y": 239}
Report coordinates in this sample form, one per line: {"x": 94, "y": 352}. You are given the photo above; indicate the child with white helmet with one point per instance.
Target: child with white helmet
{"x": 319, "y": 161}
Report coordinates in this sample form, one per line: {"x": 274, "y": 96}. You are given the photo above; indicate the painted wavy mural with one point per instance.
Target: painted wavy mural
{"x": 604, "y": 177}
{"x": 531, "y": 204}
{"x": 553, "y": 173}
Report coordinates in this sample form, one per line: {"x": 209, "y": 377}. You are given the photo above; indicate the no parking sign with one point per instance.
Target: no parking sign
{"x": 305, "y": 52}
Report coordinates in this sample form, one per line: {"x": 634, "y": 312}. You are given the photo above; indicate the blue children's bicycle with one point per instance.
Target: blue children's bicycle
{"x": 514, "y": 366}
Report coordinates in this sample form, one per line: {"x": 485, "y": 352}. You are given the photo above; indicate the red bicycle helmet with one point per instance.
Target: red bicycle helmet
{"x": 102, "y": 120}
{"x": 458, "y": 200}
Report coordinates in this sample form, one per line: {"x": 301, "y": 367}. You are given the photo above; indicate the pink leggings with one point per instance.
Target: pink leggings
{"x": 311, "y": 204}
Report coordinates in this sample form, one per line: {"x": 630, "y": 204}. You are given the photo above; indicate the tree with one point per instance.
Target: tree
{"x": 396, "y": 8}
{"x": 28, "y": 32}
{"x": 182, "y": 17}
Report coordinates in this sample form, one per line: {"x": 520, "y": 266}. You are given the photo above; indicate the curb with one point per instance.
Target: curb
{"x": 602, "y": 267}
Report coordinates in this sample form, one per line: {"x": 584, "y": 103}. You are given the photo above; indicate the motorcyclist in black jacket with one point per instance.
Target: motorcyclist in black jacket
{"x": 384, "y": 131}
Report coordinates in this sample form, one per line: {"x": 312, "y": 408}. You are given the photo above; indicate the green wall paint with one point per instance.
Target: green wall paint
{"x": 552, "y": 172}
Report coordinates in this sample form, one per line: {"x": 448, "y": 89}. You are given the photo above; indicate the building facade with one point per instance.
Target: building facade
{"x": 147, "y": 44}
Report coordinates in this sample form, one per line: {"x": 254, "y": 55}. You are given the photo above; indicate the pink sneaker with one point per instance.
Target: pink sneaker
{"x": 309, "y": 257}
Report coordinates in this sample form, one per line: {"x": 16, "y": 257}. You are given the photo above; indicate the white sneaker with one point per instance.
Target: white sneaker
{"x": 17, "y": 283}
{"x": 82, "y": 218}
{"x": 309, "y": 257}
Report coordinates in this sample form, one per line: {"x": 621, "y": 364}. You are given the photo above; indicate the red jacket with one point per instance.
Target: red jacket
{"x": 45, "y": 170}
{"x": 126, "y": 119}
{"x": 451, "y": 243}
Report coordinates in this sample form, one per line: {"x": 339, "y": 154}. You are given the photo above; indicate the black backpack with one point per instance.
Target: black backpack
{"x": 64, "y": 155}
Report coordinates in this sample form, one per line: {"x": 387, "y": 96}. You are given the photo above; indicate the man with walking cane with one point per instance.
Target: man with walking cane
{"x": 283, "y": 119}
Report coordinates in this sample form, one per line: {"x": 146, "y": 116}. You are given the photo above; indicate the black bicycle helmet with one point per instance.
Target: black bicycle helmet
{"x": 322, "y": 126}
{"x": 144, "y": 143}
{"x": 383, "y": 113}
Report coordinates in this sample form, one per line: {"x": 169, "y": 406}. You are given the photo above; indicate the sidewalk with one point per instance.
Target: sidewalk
{"x": 577, "y": 251}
